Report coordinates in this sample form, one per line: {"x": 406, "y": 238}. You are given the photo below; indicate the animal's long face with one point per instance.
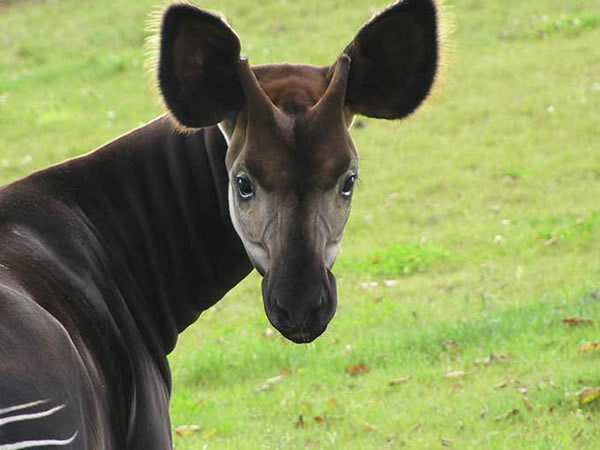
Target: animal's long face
{"x": 292, "y": 170}
{"x": 291, "y": 161}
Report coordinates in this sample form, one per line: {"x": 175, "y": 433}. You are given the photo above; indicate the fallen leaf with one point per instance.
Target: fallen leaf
{"x": 319, "y": 420}
{"x": 589, "y": 395}
{"x": 286, "y": 372}
{"x": 590, "y": 347}
{"x": 398, "y": 381}
{"x": 332, "y": 402}
{"x": 574, "y": 321}
{"x": 455, "y": 374}
{"x": 358, "y": 369}
{"x": 269, "y": 383}
{"x": 187, "y": 430}
{"x": 369, "y": 427}
{"x": 501, "y": 417}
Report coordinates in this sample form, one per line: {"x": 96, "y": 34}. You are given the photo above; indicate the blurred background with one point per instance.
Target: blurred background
{"x": 469, "y": 280}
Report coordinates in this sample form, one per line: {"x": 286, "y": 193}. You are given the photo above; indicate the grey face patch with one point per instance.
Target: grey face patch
{"x": 265, "y": 221}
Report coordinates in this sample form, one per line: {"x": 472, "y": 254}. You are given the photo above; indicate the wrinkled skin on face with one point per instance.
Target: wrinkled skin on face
{"x": 291, "y": 161}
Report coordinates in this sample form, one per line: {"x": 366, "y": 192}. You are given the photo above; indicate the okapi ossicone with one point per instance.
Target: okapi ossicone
{"x": 105, "y": 258}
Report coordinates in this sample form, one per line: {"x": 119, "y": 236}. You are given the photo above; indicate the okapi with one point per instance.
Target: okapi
{"x": 105, "y": 258}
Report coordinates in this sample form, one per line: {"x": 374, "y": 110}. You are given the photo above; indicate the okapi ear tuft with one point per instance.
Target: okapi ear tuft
{"x": 395, "y": 58}
{"x": 197, "y": 64}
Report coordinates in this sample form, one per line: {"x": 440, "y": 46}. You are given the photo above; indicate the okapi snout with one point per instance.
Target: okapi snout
{"x": 300, "y": 305}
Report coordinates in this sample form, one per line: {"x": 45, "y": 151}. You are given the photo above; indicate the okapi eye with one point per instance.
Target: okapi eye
{"x": 244, "y": 187}
{"x": 348, "y": 185}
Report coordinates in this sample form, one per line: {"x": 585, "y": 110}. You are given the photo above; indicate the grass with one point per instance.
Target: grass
{"x": 499, "y": 177}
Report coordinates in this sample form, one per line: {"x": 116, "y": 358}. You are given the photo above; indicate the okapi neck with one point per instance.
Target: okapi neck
{"x": 157, "y": 200}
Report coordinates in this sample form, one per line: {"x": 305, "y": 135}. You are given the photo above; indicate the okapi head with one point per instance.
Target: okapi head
{"x": 291, "y": 161}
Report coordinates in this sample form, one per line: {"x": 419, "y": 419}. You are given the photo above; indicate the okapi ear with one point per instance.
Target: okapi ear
{"x": 395, "y": 58}
{"x": 197, "y": 64}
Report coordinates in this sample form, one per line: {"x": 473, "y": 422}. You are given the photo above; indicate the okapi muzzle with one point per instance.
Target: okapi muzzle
{"x": 291, "y": 162}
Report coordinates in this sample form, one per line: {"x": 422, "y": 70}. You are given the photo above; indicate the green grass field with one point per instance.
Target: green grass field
{"x": 475, "y": 230}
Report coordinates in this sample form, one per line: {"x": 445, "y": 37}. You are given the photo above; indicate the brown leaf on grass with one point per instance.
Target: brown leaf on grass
{"x": 398, "y": 381}
{"x": 357, "y": 369}
{"x": 187, "y": 430}
{"x": 332, "y": 402}
{"x": 501, "y": 417}
{"x": 286, "y": 372}
{"x": 575, "y": 321}
{"x": 590, "y": 347}
{"x": 589, "y": 395}
{"x": 455, "y": 374}
{"x": 318, "y": 419}
{"x": 369, "y": 427}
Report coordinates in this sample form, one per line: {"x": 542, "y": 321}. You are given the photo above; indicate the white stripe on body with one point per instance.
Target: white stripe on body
{"x": 23, "y": 406}
{"x": 33, "y": 444}
{"x": 10, "y": 419}
{"x": 5, "y": 419}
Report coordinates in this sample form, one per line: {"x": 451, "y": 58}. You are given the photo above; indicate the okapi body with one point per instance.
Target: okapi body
{"x": 105, "y": 258}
